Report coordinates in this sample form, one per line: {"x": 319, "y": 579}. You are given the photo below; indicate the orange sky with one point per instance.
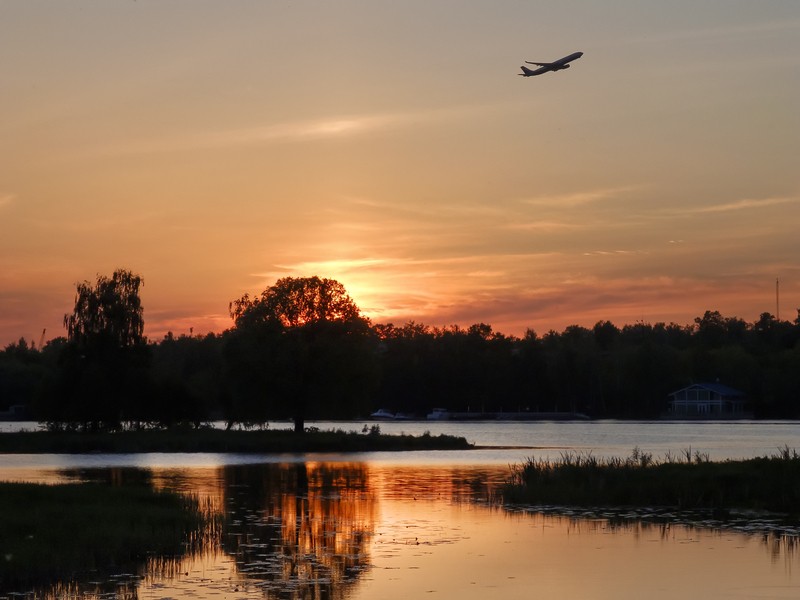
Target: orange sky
{"x": 213, "y": 147}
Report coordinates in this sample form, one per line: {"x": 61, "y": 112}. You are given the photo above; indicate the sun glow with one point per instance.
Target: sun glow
{"x": 434, "y": 189}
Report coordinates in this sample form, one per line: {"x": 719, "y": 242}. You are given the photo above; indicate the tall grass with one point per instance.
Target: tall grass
{"x": 54, "y": 532}
{"x": 693, "y": 481}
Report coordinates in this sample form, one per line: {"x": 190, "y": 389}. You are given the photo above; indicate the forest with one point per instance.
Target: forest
{"x": 301, "y": 350}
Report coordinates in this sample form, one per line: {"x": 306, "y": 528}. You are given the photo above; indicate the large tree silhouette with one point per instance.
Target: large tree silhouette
{"x": 303, "y": 349}
{"x": 108, "y": 314}
{"x": 103, "y": 374}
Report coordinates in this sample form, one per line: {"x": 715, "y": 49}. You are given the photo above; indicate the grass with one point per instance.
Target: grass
{"x": 691, "y": 482}
{"x": 52, "y": 532}
{"x": 218, "y": 440}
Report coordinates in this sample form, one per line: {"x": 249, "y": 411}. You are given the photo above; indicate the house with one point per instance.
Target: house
{"x": 708, "y": 401}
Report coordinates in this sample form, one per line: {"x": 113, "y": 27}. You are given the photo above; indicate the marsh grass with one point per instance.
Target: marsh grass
{"x": 688, "y": 482}
{"x": 218, "y": 440}
{"x": 57, "y": 532}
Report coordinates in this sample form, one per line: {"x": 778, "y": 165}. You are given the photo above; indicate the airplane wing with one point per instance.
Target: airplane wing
{"x": 539, "y": 64}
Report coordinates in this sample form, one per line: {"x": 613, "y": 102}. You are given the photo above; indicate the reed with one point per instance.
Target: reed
{"x": 693, "y": 481}
{"x": 218, "y": 440}
{"x": 53, "y": 532}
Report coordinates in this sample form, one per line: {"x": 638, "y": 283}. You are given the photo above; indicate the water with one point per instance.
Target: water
{"x": 720, "y": 440}
{"x": 408, "y": 525}
{"x": 518, "y": 440}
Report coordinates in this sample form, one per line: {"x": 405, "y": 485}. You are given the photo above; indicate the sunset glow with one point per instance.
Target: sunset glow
{"x": 215, "y": 147}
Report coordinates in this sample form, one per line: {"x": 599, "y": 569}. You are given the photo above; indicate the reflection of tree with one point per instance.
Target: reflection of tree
{"x": 299, "y": 530}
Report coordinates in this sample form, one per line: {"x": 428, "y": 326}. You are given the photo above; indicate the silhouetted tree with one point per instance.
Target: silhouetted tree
{"x": 311, "y": 347}
{"x": 187, "y": 378}
{"x": 21, "y": 374}
{"x": 296, "y": 302}
{"x": 711, "y": 328}
{"x": 107, "y": 315}
{"x": 103, "y": 373}
{"x": 301, "y": 349}
{"x": 406, "y": 360}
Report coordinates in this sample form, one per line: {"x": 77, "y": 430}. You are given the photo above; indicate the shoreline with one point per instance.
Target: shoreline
{"x": 215, "y": 440}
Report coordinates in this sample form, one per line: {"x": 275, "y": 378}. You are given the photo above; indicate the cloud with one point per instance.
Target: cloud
{"x": 294, "y": 131}
{"x": 744, "y": 204}
{"x": 6, "y": 199}
{"x": 613, "y": 252}
{"x": 580, "y": 198}
{"x": 297, "y": 131}
{"x": 543, "y": 226}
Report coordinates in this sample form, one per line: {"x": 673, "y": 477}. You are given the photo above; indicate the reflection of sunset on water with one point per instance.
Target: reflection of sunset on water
{"x": 302, "y": 528}
{"x": 366, "y": 530}
{"x": 483, "y": 553}
{"x": 450, "y": 483}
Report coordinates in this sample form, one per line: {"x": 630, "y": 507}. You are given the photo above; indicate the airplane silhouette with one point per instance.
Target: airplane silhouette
{"x": 546, "y": 67}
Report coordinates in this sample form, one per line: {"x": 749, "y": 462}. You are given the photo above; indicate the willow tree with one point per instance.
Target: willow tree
{"x": 300, "y": 349}
{"x": 104, "y": 364}
{"x": 108, "y": 314}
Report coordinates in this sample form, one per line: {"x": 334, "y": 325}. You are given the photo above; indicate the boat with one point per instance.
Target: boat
{"x": 439, "y": 414}
{"x": 382, "y": 413}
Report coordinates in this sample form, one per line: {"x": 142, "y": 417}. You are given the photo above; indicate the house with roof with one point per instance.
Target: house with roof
{"x": 708, "y": 401}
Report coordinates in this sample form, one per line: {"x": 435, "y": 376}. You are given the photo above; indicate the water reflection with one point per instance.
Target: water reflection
{"x": 348, "y": 531}
{"x": 297, "y": 530}
{"x": 301, "y": 530}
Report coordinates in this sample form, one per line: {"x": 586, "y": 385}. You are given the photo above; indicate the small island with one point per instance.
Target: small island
{"x": 207, "y": 439}
{"x": 686, "y": 482}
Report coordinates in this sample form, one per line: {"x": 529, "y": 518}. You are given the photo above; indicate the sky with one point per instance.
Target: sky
{"x": 215, "y": 146}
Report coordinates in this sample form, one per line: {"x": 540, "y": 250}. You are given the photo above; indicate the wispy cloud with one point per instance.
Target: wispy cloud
{"x": 297, "y": 131}
{"x": 613, "y": 252}
{"x": 580, "y": 198}
{"x": 543, "y": 226}
{"x": 294, "y": 131}
{"x": 744, "y": 204}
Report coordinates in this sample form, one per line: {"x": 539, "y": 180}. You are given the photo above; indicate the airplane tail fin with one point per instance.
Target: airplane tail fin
{"x": 526, "y": 72}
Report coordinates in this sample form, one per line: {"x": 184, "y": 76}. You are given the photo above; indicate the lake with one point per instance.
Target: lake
{"x": 421, "y": 524}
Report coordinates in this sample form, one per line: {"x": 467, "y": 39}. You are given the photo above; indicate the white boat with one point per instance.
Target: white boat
{"x": 439, "y": 414}
{"x": 382, "y": 413}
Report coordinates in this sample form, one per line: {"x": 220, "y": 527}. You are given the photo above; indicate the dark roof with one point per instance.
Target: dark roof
{"x": 717, "y": 388}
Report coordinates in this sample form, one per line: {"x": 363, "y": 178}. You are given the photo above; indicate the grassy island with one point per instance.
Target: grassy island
{"x": 55, "y": 531}
{"x": 218, "y": 440}
{"x": 768, "y": 483}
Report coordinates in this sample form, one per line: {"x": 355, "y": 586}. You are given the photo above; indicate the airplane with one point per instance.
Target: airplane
{"x": 556, "y": 65}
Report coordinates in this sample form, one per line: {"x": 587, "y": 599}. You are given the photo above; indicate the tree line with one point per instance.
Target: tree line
{"x": 302, "y": 350}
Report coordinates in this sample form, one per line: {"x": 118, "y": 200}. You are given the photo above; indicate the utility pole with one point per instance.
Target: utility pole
{"x": 777, "y": 299}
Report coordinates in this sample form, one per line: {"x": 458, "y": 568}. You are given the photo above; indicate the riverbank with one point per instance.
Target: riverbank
{"x": 768, "y": 483}
{"x": 217, "y": 440}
